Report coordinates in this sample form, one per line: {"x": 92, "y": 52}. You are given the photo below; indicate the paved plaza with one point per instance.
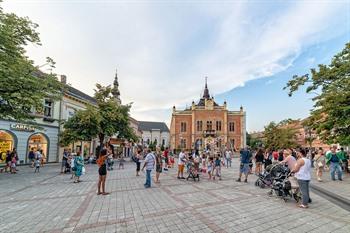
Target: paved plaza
{"x": 50, "y": 202}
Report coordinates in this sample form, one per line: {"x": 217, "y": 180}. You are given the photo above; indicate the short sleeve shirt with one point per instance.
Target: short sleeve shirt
{"x": 181, "y": 158}
{"x": 150, "y": 160}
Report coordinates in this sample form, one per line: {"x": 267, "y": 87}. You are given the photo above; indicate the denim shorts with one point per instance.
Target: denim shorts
{"x": 244, "y": 168}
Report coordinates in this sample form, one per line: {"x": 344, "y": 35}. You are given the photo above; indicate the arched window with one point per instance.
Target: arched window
{"x": 7, "y": 143}
{"x": 39, "y": 141}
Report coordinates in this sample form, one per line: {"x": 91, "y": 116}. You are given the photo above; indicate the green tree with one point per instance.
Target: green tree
{"x": 279, "y": 135}
{"x": 106, "y": 119}
{"x": 22, "y": 86}
{"x": 330, "y": 116}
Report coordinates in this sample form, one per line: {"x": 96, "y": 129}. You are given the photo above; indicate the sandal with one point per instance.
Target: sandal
{"x": 99, "y": 193}
{"x": 105, "y": 193}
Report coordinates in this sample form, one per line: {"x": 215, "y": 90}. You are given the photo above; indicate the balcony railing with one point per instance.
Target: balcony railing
{"x": 207, "y": 133}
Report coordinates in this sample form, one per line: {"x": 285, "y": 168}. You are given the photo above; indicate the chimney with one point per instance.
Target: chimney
{"x": 63, "y": 79}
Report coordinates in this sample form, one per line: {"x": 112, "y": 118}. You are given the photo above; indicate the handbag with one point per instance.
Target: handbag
{"x": 319, "y": 164}
{"x": 83, "y": 170}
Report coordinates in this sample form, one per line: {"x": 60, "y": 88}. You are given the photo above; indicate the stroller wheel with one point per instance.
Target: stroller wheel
{"x": 262, "y": 185}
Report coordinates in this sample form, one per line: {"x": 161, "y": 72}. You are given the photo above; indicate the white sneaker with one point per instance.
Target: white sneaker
{"x": 319, "y": 179}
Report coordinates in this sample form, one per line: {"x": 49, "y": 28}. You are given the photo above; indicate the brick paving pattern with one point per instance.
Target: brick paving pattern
{"x": 50, "y": 202}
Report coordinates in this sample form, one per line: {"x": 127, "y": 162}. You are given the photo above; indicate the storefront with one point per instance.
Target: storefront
{"x": 24, "y": 137}
{"x": 7, "y": 143}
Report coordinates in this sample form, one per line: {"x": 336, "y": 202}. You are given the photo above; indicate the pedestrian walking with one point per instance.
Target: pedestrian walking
{"x": 302, "y": 172}
{"x": 217, "y": 167}
{"x": 267, "y": 158}
{"x": 71, "y": 161}
{"x": 228, "y": 157}
{"x": 31, "y": 157}
{"x": 320, "y": 162}
{"x": 159, "y": 164}
{"x": 102, "y": 171}
{"x": 37, "y": 165}
{"x": 138, "y": 157}
{"x": 64, "y": 160}
{"x": 79, "y": 166}
{"x": 150, "y": 161}
{"x": 181, "y": 165}
{"x": 166, "y": 159}
{"x": 259, "y": 159}
{"x": 334, "y": 159}
{"x": 245, "y": 157}
{"x": 210, "y": 167}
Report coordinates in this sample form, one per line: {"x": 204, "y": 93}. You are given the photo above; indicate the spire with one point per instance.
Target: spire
{"x": 115, "y": 90}
{"x": 206, "y": 90}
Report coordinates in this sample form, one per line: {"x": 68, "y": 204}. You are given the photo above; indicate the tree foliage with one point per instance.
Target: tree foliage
{"x": 330, "y": 116}
{"x": 106, "y": 119}
{"x": 22, "y": 86}
{"x": 279, "y": 135}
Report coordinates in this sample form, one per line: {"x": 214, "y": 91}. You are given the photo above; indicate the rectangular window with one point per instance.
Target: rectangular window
{"x": 232, "y": 143}
{"x": 218, "y": 126}
{"x": 183, "y": 126}
{"x": 183, "y": 143}
{"x": 48, "y": 108}
{"x": 209, "y": 125}
{"x": 231, "y": 126}
{"x": 199, "y": 125}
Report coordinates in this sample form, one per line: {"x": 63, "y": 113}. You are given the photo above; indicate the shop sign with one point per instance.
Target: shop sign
{"x": 22, "y": 127}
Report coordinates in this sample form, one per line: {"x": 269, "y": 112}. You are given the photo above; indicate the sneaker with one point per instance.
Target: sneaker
{"x": 183, "y": 178}
{"x": 319, "y": 179}
{"x": 238, "y": 180}
{"x": 303, "y": 206}
{"x": 340, "y": 179}
{"x": 245, "y": 181}
{"x": 179, "y": 177}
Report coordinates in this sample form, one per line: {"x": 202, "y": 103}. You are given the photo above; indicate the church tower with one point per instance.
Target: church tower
{"x": 115, "y": 90}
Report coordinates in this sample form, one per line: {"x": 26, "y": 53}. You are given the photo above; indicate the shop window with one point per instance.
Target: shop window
{"x": 6, "y": 144}
{"x": 218, "y": 125}
{"x": 199, "y": 125}
{"x": 39, "y": 142}
{"x": 48, "y": 108}
{"x": 183, "y": 126}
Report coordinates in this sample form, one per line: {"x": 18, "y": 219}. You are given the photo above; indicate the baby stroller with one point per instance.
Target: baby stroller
{"x": 264, "y": 180}
{"x": 193, "y": 170}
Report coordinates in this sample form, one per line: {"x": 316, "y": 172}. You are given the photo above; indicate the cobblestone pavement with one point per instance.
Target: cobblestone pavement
{"x": 50, "y": 202}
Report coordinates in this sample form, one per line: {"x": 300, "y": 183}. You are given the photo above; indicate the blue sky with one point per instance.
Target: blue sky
{"x": 164, "y": 49}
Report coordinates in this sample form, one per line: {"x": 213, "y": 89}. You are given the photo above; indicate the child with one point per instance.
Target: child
{"x": 121, "y": 162}
{"x": 204, "y": 163}
{"x": 217, "y": 167}
{"x": 13, "y": 164}
{"x": 210, "y": 167}
{"x": 37, "y": 165}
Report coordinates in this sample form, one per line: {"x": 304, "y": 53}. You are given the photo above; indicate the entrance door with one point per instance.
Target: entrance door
{"x": 6, "y": 144}
{"x": 39, "y": 142}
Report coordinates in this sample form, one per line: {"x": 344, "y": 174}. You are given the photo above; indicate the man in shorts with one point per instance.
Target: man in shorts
{"x": 245, "y": 156}
{"x": 181, "y": 165}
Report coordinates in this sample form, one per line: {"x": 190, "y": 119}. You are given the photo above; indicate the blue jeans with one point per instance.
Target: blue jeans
{"x": 228, "y": 162}
{"x": 335, "y": 167}
{"x": 148, "y": 178}
{"x": 304, "y": 189}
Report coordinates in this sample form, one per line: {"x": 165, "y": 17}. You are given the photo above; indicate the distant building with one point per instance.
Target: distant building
{"x": 207, "y": 125}
{"x": 155, "y": 132}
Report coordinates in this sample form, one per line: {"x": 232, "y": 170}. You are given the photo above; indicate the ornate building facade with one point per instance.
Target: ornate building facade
{"x": 207, "y": 125}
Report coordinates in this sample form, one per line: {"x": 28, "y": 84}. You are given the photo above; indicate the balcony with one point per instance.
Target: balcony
{"x": 209, "y": 133}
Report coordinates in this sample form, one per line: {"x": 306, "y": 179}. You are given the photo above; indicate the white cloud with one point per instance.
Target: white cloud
{"x": 163, "y": 51}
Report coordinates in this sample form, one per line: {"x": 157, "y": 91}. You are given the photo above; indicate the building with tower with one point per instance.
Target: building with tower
{"x": 207, "y": 125}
